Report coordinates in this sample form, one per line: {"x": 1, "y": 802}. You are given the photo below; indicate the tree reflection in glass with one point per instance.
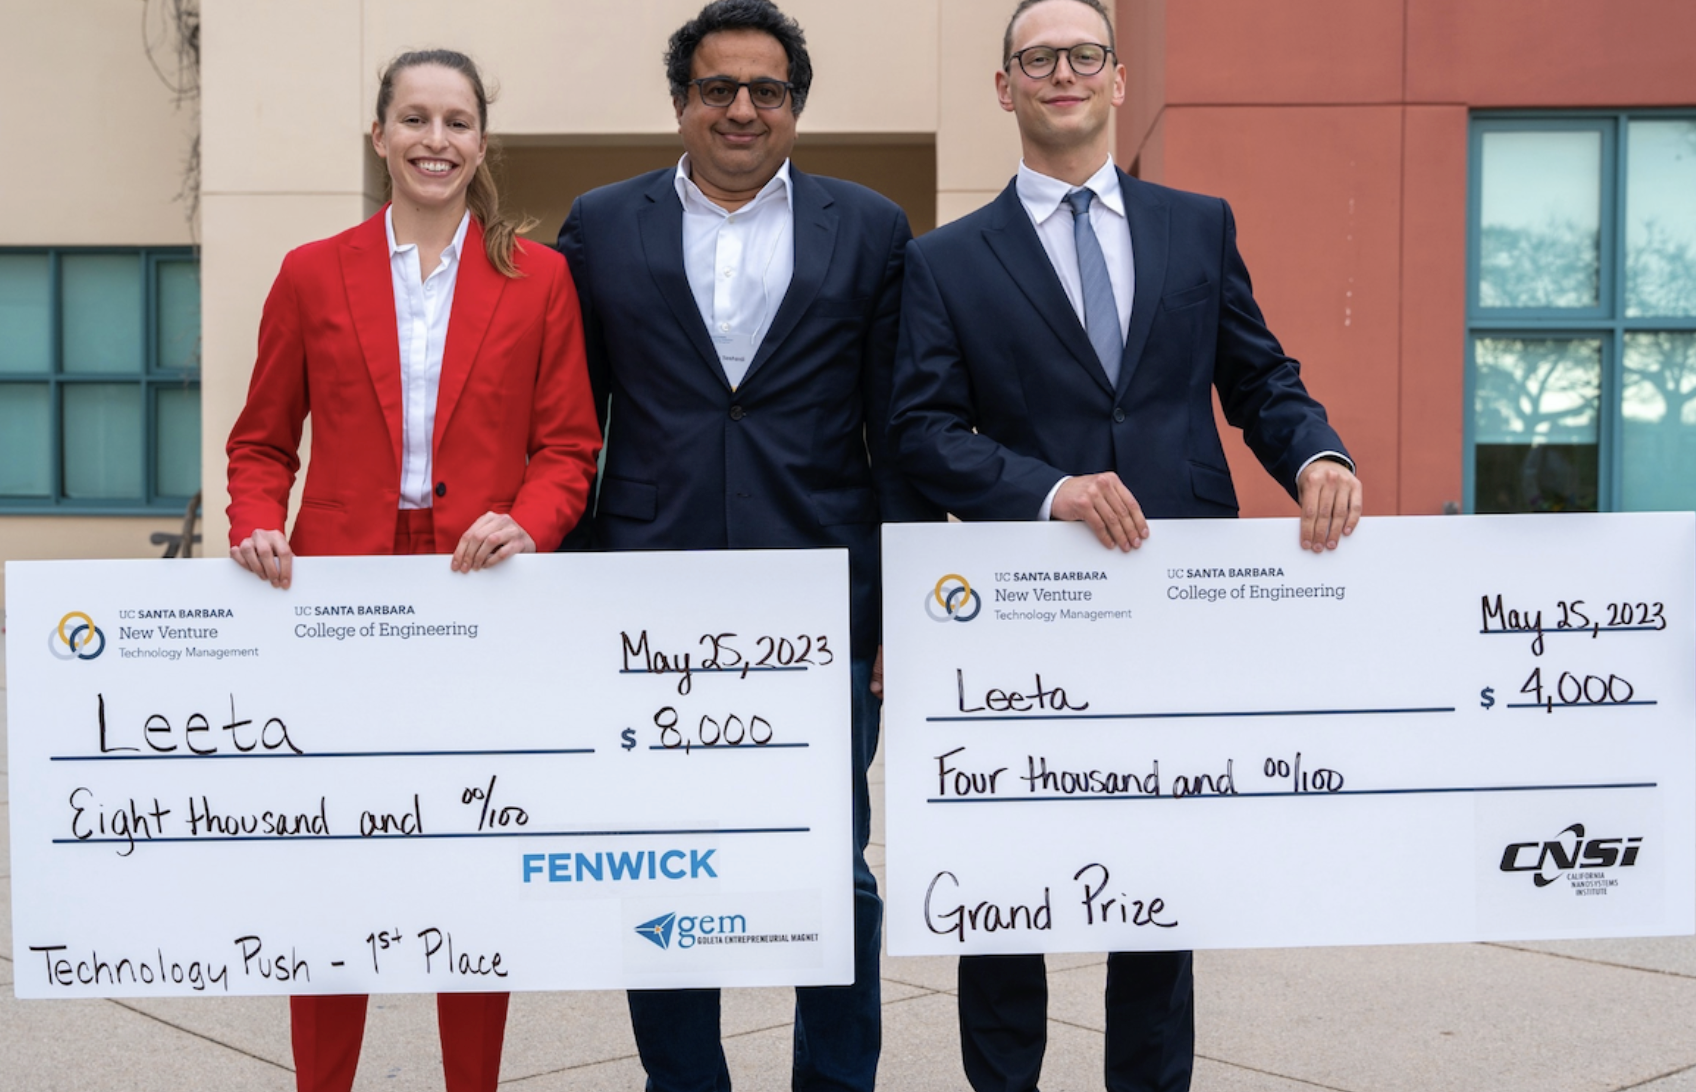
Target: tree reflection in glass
{"x": 1535, "y": 418}
{"x": 1660, "y": 422}
{"x": 1540, "y": 219}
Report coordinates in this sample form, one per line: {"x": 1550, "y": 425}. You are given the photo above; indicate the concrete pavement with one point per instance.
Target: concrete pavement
{"x": 1580, "y": 1016}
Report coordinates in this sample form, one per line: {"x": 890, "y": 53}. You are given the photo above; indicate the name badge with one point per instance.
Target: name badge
{"x": 735, "y": 354}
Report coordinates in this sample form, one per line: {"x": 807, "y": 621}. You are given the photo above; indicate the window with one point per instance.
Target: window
{"x": 1581, "y": 349}
{"x": 99, "y": 380}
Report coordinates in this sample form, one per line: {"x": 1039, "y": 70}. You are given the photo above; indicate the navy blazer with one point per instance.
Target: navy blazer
{"x": 998, "y": 393}
{"x": 797, "y": 455}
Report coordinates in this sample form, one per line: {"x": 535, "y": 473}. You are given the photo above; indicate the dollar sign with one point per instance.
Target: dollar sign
{"x": 1488, "y": 696}
{"x": 629, "y": 735}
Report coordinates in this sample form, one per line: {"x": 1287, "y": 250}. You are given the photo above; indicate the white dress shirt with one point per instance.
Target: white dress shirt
{"x": 739, "y": 264}
{"x": 422, "y": 307}
{"x": 1044, "y": 199}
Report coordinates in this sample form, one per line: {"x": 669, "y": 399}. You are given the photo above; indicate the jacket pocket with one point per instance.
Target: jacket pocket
{"x": 856, "y": 505}
{"x": 1213, "y": 485}
{"x": 630, "y": 499}
{"x": 322, "y": 502}
{"x": 1187, "y": 297}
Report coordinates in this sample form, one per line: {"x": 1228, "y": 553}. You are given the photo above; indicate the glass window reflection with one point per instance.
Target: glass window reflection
{"x": 1660, "y": 224}
{"x": 1536, "y": 418}
{"x": 1659, "y": 429}
{"x": 1540, "y": 219}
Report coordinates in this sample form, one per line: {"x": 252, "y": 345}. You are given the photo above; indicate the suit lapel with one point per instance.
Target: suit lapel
{"x": 1013, "y": 239}
{"x": 660, "y": 227}
{"x": 370, "y": 285}
{"x": 1150, "y": 223}
{"x": 476, "y": 291}
{"x": 814, "y": 239}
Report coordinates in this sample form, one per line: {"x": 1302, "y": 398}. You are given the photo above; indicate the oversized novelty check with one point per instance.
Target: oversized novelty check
{"x": 1450, "y": 729}
{"x": 567, "y": 772}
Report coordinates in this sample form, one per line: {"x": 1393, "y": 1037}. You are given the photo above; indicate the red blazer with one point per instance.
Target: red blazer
{"x": 515, "y": 422}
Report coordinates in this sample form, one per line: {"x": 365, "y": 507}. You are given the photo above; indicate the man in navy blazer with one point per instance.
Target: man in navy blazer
{"x": 1058, "y": 353}
{"x": 740, "y": 318}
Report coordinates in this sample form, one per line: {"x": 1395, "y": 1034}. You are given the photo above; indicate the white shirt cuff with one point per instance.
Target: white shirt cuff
{"x": 1046, "y": 512}
{"x": 1337, "y": 455}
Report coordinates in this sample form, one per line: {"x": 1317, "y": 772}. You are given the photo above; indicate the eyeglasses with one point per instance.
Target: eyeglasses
{"x": 720, "y": 91}
{"x": 1086, "y": 59}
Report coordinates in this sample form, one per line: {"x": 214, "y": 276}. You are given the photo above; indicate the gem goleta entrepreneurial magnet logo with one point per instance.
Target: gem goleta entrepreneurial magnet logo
{"x": 953, "y": 600}
{"x": 76, "y": 638}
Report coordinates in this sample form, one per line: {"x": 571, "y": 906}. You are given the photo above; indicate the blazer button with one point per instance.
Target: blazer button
{"x": 441, "y": 489}
{"x": 1118, "y": 416}
{"x": 736, "y": 413}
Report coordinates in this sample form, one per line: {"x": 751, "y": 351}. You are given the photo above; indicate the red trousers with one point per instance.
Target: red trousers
{"x": 327, "y": 1030}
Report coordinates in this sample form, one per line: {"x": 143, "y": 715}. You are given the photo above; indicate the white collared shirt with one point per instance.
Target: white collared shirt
{"x": 739, "y": 264}
{"x": 422, "y": 307}
{"x": 1044, "y": 199}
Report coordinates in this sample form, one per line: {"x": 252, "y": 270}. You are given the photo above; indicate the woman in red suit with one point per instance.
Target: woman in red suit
{"x": 441, "y": 360}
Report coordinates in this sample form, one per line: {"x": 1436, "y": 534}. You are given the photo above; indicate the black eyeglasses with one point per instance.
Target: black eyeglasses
{"x": 1086, "y": 58}
{"x": 720, "y": 91}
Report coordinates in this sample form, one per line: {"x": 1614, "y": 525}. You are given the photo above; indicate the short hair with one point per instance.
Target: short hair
{"x": 760, "y": 15}
{"x": 1025, "y": 5}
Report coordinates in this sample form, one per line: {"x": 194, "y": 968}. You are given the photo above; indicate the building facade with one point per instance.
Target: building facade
{"x": 1474, "y": 221}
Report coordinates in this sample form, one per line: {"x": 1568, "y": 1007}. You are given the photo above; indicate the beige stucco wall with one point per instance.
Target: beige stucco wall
{"x": 97, "y": 156}
{"x": 902, "y": 100}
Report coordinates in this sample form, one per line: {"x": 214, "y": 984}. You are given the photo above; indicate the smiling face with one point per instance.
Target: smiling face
{"x": 431, "y": 138}
{"x": 735, "y": 150}
{"x": 1062, "y": 113}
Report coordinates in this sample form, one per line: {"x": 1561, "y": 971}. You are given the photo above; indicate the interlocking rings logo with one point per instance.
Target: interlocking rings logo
{"x": 75, "y": 635}
{"x": 953, "y": 600}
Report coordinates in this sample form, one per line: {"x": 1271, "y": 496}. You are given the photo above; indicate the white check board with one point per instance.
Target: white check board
{"x": 567, "y": 772}
{"x": 1449, "y": 729}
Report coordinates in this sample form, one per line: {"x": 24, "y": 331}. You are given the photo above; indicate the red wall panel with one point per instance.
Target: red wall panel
{"x": 1551, "y": 52}
{"x": 1433, "y": 364}
{"x": 1317, "y": 194}
{"x": 1284, "y": 51}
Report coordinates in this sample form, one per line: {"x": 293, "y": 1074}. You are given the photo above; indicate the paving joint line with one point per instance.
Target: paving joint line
{"x": 1593, "y": 962}
{"x": 1654, "y": 1080}
{"x": 1279, "y": 1076}
{"x": 567, "y": 1069}
{"x": 627, "y": 1057}
{"x": 199, "y": 1035}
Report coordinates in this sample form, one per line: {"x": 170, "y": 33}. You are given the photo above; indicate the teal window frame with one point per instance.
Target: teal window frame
{"x": 152, "y": 379}
{"x": 1606, "y": 322}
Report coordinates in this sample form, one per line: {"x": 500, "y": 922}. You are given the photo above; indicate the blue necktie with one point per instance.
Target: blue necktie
{"x": 1101, "y": 314}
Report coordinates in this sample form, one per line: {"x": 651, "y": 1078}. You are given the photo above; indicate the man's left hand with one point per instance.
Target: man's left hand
{"x": 1330, "y": 504}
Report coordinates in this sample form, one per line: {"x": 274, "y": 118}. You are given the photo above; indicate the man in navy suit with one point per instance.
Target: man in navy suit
{"x": 741, "y": 317}
{"x": 1059, "y": 349}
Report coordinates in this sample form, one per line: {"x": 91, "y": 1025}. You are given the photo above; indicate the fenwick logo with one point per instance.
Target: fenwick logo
{"x": 1568, "y": 851}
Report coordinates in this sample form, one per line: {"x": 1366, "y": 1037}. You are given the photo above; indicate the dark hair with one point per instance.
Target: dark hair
{"x": 760, "y": 15}
{"x": 1025, "y": 5}
{"x": 500, "y": 233}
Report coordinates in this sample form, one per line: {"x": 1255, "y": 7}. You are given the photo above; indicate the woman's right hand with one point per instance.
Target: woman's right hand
{"x": 266, "y": 554}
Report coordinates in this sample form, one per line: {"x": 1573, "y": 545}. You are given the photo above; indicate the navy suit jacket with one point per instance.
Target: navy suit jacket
{"x": 998, "y": 393}
{"x": 797, "y": 455}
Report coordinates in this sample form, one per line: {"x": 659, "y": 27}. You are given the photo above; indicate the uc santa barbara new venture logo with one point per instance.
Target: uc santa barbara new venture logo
{"x": 76, "y": 637}
{"x": 953, "y": 600}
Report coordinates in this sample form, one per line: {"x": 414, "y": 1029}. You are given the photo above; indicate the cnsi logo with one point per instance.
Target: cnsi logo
{"x": 953, "y": 600}
{"x": 1567, "y": 851}
{"x": 688, "y": 929}
{"x": 76, "y": 638}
